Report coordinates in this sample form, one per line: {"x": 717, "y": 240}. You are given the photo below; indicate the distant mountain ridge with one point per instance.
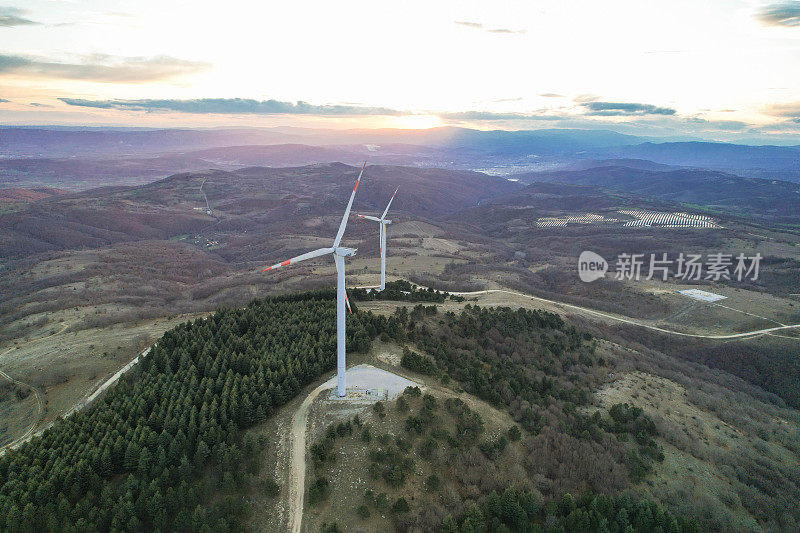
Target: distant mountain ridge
{"x": 782, "y": 162}
{"x": 79, "y": 159}
{"x": 709, "y": 188}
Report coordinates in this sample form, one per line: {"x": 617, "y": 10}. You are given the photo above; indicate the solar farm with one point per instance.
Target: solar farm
{"x": 638, "y": 218}
{"x": 588, "y": 218}
{"x": 668, "y": 220}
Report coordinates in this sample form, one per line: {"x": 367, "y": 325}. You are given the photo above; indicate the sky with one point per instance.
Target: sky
{"x": 713, "y": 69}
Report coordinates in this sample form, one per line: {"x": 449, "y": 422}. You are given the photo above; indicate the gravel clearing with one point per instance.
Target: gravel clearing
{"x": 368, "y": 383}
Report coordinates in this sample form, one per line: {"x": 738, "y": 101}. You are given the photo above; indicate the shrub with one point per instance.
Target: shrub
{"x": 382, "y": 501}
{"x": 418, "y": 363}
{"x": 394, "y": 476}
{"x": 413, "y": 392}
{"x": 429, "y": 402}
{"x": 319, "y": 491}
{"x": 402, "y": 443}
{"x": 271, "y": 488}
{"x": 493, "y": 448}
{"x": 414, "y": 424}
{"x": 369, "y": 496}
{"x": 344, "y": 428}
{"x": 427, "y": 447}
{"x": 402, "y": 405}
{"x": 400, "y": 506}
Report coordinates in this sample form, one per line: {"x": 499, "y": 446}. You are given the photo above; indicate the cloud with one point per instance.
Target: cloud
{"x": 501, "y": 100}
{"x": 232, "y": 106}
{"x": 780, "y": 14}
{"x": 37, "y": 104}
{"x": 491, "y": 115}
{"x": 242, "y": 106}
{"x": 726, "y": 125}
{"x": 551, "y": 95}
{"x": 101, "y": 68}
{"x": 11, "y": 16}
{"x": 583, "y": 98}
{"x": 3, "y": 101}
{"x": 506, "y": 30}
{"x": 787, "y": 110}
{"x": 610, "y": 109}
{"x": 479, "y": 26}
{"x": 245, "y": 106}
{"x": 468, "y": 24}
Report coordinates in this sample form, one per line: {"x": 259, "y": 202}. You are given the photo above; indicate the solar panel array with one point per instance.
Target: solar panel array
{"x": 559, "y": 222}
{"x": 642, "y": 219}
{"x": 667, "y": 220}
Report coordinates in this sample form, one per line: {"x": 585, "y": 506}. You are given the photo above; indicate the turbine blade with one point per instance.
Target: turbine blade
{"x": 303, "y": 257}
{"x": 389, "y": 204}
{"x": 343, "y": 225}
{"x": 375, "y": 219}
{"x": 347, "y": 301}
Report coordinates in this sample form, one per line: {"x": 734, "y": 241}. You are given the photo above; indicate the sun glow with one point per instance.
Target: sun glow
{"x": 415, "y": 122}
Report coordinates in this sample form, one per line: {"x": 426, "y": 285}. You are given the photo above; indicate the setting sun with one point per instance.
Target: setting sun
{"x": 415, "y": 122}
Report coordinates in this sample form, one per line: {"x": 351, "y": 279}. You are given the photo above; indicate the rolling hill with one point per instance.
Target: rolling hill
{"x": 767, "y": 199}
{"x": 781, "y": 162}
{"x": 250, "y": 199}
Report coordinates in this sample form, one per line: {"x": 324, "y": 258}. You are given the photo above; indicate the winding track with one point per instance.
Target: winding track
{"x": 39, "y": 403}
{"x": 208, "y": 207}
{"x": 40, "y": 411}
{"x": 30, "y": 433}
{"x": 747, "y": 334}
{"x": 297, "y": 472}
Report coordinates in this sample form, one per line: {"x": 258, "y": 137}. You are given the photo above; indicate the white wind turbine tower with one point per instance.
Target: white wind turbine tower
{"x": 383, "y": 222}
{"x": 339, "y": 253}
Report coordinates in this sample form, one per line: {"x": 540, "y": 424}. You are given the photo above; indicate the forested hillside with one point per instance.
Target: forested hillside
{"x": 542, "y": 370}
{"x": 157, "y": 447}
{"x": 435, "y": 464}
{"x": 165, "y": 448}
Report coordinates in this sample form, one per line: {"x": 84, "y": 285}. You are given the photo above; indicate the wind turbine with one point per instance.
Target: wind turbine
{"x": 339, "y": 253}
{"x": 383, "y": 223}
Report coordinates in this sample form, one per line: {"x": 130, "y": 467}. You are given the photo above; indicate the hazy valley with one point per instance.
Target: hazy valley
{"x": 105, "y": 252}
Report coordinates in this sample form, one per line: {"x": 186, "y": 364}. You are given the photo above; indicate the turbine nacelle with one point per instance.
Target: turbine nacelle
{"x": 345, "y": 252}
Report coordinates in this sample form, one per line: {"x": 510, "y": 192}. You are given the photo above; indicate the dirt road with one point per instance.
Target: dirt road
{"x": 106, "y": 384}
{"x": 586, "y": 310}
{"x": 39, "y": 403}
{"x": 39, "y": 412}
{"x": 31, "y": 432}
{"x": 297, "y": 472}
